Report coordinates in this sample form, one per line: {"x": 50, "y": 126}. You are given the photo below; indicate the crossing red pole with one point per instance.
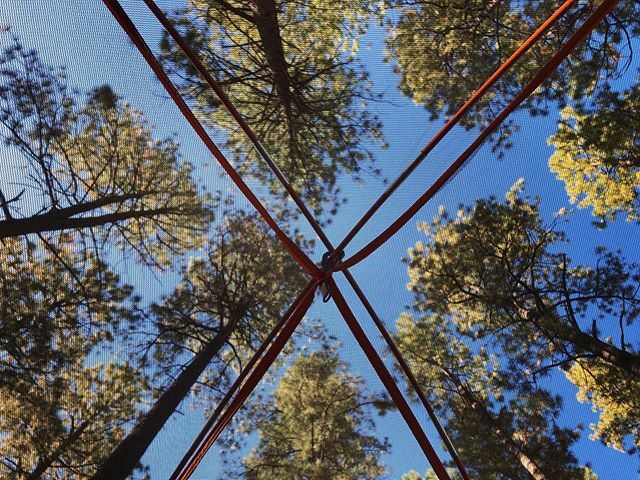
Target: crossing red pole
{"x": 409, "y": 374}
{"x": 589, "y": 24}
{"x": 288, "y": 326}
{"x": 252, "y": 381}
{"x": 195, "y": 61}
{"x": 515, "y": 56}
{"x": 388, "y": 382}
{"x": 237, "y": 383}
{"x": 127, "y": 25}
{"x": 134, "y": 35}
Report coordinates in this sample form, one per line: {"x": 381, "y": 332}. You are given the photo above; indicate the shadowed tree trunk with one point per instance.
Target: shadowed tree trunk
{"x": 611, "y": 354}
{"x": 585, "y": 343}
{"x": 509, "y": 443}
{"x": 126, "y": 456}
{"x": 268, "y": 27}
{"x": 266, "y": 22}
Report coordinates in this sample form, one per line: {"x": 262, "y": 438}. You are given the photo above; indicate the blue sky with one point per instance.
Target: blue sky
{"x": 83, "y": 36}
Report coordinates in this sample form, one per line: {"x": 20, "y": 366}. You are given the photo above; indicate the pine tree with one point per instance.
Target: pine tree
{"x": 225, "y": 303}
{"x": 316, "y": 426}
{"x": 67, "y": 397}
{"x": 291, "y": 70}
{"x": 95, "y": 169}
{"x": 444, "y": 50}
{"x": 597, "y": 154}
{"x": 503, "y": 426}
{"x": 498, "y": 271}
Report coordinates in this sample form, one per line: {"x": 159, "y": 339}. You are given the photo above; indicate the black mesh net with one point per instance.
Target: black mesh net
{"x": 137, "y": 281}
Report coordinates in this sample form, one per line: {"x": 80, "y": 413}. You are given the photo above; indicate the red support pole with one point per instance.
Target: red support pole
{"x": 409, "y": 374}
{"x": 603, "y": 9}
{"x": 127, "y": 25}
{"x": 237, "y": 383}
{"x": 289, "y": 325}
{"x": 252, "y": 381}
{"x": 195, "y": 61}
{"x": 515, "y": 56}
{"x": 389, "y": 382}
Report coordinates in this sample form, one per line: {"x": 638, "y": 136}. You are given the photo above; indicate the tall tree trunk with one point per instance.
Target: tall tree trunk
{"x": 266, "y": 21}
{"x": 584, "y": 342}
{"x": 611, "y": 354}
{"x": 126, "y": 456}
{"x": 527, "y": 463}
{"x": 511, "y": 445}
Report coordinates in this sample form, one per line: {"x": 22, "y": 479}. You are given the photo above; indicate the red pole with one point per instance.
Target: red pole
{"x": 236, "y": 384}
{"x": 407, "y": 371}
{"x": 389, "y": 382}
{"x": 522, "y": 49}
{"x": 589, "y": 24}
{"x": 195, "y": 61}
{"x": 252, "y": 381}
{"x": 127, "y": 25}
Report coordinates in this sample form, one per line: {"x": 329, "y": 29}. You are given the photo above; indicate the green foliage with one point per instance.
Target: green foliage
{"x": 239, "y": 287}
{"x": 67, "y": 421}
{"x": 429, "y": 475}
{"x": 502, "y": 426}
{"x": 497, "y": 272}
{"x": 230, "y": 297}
{"x": 66, "y": 398}
{"x": 616, "y": 398}
{"x": 444, "y": 50}
{"x": 597, "y": 155}
{"x": 290, "y": 69}
{"x": 496, "y": 302}
{"x": 316, "y": 426}
{"x": 413, "y": 475}
{"x": 95, "y": 168}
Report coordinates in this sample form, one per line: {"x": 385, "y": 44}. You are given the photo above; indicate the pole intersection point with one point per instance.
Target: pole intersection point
{"x": 329, "y": 264}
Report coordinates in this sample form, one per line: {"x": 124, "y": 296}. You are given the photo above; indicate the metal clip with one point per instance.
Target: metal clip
{"x": 329, "y": 262}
